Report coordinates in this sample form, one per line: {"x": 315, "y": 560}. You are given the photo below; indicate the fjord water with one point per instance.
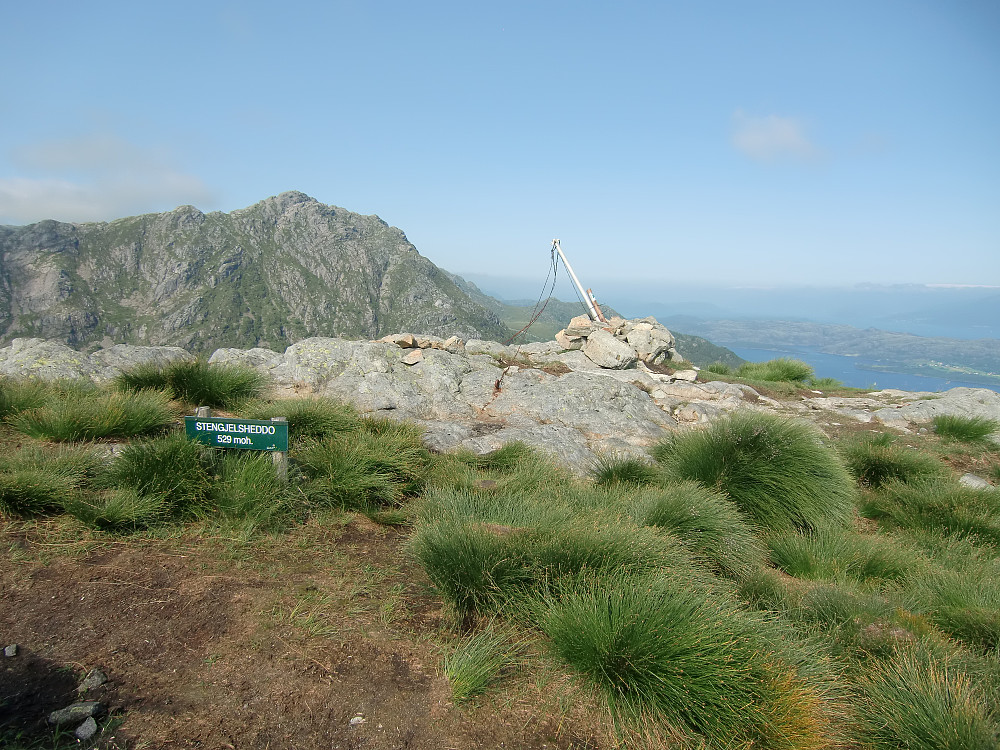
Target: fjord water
{"x": 852, "y": 371}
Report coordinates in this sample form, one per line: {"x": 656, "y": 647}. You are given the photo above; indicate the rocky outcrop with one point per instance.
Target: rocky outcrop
{"x": 479, "y": 394}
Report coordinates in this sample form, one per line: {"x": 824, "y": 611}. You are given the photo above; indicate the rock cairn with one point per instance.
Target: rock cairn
{"x": 619, "y": 344}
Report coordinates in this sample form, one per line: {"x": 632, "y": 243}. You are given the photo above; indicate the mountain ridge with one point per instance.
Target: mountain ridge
{"x": 280, "y": 270}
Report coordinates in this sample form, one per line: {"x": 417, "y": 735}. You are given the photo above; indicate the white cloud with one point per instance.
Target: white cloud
{"x": 92, "y": 178}
{"x": 771, "y": 138}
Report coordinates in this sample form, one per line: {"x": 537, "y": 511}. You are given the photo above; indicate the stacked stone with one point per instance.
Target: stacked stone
{"x": 619, "y": 343}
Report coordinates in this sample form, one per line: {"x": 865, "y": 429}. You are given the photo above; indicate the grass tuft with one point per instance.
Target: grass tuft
{"x": 974, "y": 430}
{"x": 247, "y": 492}
{"x": 919, "y": 705}
{"x": 783, "y": 369}
{"x": 937, "y": 505}
{"x": 169, "y": 467}
{"x": 309, "y": 418}
{"x": 121, "y": 510}
{"x": 707, "y": 521}
{"x": 875, "y": 460}
{"x": 777, "y": 471}
{"x": 377, "y": 465}
{"x": 21, "y": 394}
{"x": 91, "y": 415}
{"x": 609, "y": 470}
{"x": 478, "y": 661}
{"x": 662, "y": 648}
{"x": 197, "y": 382}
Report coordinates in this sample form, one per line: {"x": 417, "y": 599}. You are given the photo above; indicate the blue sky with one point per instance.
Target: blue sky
{"x": 733, "y": 141}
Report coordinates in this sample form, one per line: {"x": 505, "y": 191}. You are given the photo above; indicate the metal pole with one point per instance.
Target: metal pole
{"x": 591, "y": 310}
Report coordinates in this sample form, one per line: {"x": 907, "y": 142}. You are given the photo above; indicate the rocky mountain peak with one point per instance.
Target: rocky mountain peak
{"x": 280, "y": 270}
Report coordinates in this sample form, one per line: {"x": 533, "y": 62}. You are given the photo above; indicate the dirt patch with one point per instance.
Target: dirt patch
{"x": 328, "y": 637}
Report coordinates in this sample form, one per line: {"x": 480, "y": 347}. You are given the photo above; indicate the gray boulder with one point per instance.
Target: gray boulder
{"x": 605, "y": 350}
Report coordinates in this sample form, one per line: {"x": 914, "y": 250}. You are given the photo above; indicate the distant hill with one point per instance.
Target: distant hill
{"x": 268, "y": 275}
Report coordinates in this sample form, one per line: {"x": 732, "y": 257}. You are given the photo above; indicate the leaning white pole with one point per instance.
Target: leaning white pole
{"x": 591, "y": 310}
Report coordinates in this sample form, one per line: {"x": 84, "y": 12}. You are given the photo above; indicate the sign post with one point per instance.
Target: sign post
{"x": 245, "y": 434}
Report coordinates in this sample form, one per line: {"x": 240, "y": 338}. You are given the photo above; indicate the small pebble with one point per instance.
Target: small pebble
{"x": 10, "y": 650}
{"x": 86, "y": 730}
{"x": 357, "y": 721}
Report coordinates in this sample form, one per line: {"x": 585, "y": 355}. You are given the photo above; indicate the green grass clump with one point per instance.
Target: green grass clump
{"x": 482, "y": 567}
{"x": 608, "y": 470}
{"x": 504, "y": 460}
{"x": 378, "y": 465}
{"x": 706, "y": 520}
{"x": 21, "y": 394}
{"x": 965, "y": 429}
{"x": 309, "y": 418}
{"x": 937, "y": 505}
{"x": 875, "y": 460}
{"x": 778, "y": 471}
{"x": 93, "y": 414}
{"x": 197, "y": 382}
{"x": 170, "y": 467}
{"x": 825, "y": 383}
{"x": 34, "y": 492}
{"x": 478, "y": 661}
{"x": 720, "y": 368}
{"x": 783, "y": 369}
{"x": 835, "y": 554}
{"x": 964, "y": 604}
{"x": 36, "y": 480}
{"x": 121, "y": 510}
{"x": 662, "y": 648}
{"x": 920, "y": 705}
{"x": 247, "y": 493}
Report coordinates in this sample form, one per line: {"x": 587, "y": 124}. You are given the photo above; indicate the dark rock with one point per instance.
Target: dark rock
{"x": 75, "y": 713}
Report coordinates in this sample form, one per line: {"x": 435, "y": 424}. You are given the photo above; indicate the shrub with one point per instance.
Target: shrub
{"x": 608, "y": 470}
{"x": 965, "y": 429}
{"x": 777, "y": 471}
{"x": 783, "y": 369}
{"x": 937, "y": 505}
{"x": 478, "y": 660}
{"x": 664, "y": 649}
{"x": 171, "y": 468}
{"x": 198, "y": 382}
{"x": 920, "y": 705}
{"x": 95, "y": 414}
{"x": 707, "y": 521}
{"x": 875, "y": 460}
{"x": 309, "y": 418}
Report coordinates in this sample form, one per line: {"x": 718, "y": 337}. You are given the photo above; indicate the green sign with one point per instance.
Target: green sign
{"x": 248, "y": 434}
